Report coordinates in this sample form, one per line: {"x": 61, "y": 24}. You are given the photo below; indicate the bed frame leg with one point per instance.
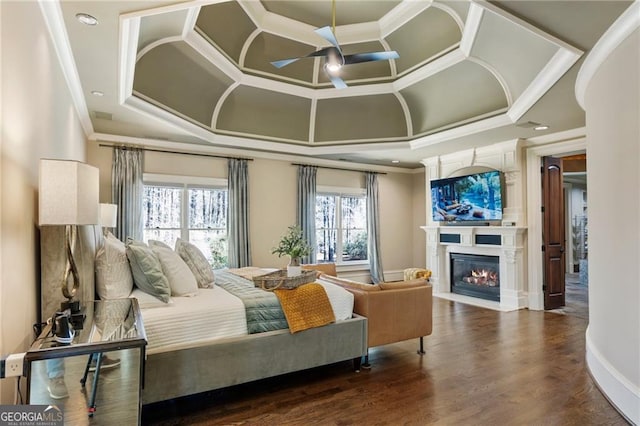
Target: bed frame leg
{"x": 421, "y": 350}
{"x": 357, "y": 362}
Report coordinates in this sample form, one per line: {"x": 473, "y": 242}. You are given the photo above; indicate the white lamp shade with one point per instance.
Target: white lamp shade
{"x": 108, "y": 215}
{"x": 68, "y": 193}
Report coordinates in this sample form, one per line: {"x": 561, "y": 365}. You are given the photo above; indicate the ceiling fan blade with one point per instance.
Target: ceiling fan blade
{"x": 327, "y": 34}
{"x": 284, "y": 62}
{"x": 371, "y": 56}
{"x": 338, "y": 83}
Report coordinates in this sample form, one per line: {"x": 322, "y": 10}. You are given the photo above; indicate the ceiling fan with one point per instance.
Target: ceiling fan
{"x": 334, "y": 59}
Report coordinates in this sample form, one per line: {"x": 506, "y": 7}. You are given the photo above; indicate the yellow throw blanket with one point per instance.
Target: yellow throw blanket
{"x": 306, "y": 307}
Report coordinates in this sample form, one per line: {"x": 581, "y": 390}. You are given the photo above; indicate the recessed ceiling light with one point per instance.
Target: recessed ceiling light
{"x": 541, "y": 128}
{"x": 87, "y": 19}
{"x": 97, "y": 93}
{"x": 395, "y": 161}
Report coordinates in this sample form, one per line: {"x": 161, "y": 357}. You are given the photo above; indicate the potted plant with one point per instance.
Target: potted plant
{"x": 294, "y": 245}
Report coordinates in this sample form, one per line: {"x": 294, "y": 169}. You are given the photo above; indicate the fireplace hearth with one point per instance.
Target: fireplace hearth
{"x": 475, "y": 275}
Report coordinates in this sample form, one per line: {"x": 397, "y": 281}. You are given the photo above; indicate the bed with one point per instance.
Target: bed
{"x": 179, "y": 363}
{"x": 200, "y": 358}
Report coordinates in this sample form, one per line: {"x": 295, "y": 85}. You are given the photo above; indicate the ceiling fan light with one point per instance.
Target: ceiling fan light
{"x": 333, "y": 67}
{"x": 335, "y": 61}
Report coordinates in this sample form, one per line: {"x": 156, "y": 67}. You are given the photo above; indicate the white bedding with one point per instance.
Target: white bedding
{"x": 341, "y": 300}
{"x": 210, "y": 315}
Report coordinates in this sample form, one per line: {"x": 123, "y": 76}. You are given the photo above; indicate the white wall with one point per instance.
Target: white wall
{"x": 38, "y": 121}
{"x": 272, "y": 201}
{"x": 419, "y": 219}
{"x": 612, "y": 107}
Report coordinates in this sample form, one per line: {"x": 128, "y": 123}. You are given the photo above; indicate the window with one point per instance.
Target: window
{"x": 341, "y": 228}
{"x": 192, "y": 212}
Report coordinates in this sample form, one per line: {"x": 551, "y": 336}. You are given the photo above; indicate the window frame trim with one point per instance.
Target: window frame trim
{"x": 340, "y": 191}
{"x": 184, "y": 183}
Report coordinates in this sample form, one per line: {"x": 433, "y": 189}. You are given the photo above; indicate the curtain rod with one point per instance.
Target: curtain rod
{"x": 174, "y": 152}
{"x": 338, "y": 168}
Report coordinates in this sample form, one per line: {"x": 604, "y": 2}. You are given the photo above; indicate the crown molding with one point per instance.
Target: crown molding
{"x": 54, "y": 21}
{"x": 218, "y": 150}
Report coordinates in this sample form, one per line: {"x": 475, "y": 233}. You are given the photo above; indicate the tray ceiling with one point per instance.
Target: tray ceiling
{"x": 204, "y": 70}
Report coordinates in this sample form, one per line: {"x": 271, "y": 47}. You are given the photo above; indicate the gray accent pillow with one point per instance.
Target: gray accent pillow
{"x": 147, "y": 271}
{"x": 195, "y": 260}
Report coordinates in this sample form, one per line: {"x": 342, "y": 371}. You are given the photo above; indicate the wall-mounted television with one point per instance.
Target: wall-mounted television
{"x": 470, "y": 198}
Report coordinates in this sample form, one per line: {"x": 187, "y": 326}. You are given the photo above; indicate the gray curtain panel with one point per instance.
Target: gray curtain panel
{"x": 306, "y": 207}
{"x": 126, "y": 192}
{"x": 238, "y": 214}
{"x": 373, "y": 225}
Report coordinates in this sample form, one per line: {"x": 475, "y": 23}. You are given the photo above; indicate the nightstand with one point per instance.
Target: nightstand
{"x": 110, "y": 326}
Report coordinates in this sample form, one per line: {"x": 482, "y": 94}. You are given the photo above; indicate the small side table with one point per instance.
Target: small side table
{"x": 109, "y": 325}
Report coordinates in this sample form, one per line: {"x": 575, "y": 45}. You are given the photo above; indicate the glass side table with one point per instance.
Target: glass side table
{"x": 108, "y": 326}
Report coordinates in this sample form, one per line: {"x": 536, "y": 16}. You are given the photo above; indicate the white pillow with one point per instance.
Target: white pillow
{"x": 158, "y": 243}
{"x": 196, "y": 261}
{"x": 113, "y": 274}
{"x": 181, "y": 280}
{"x": 148, "y": 301}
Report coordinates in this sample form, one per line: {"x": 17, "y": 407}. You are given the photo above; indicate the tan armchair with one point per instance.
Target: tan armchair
{"x": 395, "y": 311}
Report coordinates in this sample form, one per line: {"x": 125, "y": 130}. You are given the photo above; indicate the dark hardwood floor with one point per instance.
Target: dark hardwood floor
{"x": 576, "y": 298}
{"x": 116, "y": 399}
{"x": 481, "y": 367}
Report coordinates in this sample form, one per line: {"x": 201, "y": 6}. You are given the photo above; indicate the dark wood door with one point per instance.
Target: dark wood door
{"x": 553, "y": 236}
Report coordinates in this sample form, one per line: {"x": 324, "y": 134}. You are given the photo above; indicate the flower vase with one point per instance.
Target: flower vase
{"x": 293, "y": 268}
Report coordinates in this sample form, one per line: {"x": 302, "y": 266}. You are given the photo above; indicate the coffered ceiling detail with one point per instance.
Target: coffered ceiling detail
{"x": 198, "y": 74}
{"x": 209, "y": 66}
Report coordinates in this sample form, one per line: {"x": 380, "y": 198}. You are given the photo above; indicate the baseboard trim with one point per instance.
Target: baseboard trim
{"x": 623, "y": 395}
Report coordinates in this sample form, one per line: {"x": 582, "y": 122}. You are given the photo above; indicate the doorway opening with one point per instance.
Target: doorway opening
{"x": 577, "y": 235}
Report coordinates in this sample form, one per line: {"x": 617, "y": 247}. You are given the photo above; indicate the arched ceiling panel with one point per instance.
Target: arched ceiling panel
{"x": 462, "y": 92}
{"x": 318, "y": 13}
{"x": 363, "y": 117}
{"x": 424, "y": 36}
{"x": 261, "y": 112}
{"x": 227, "y": 25}
{"x": 459, "y": 7}
{"x": 176, "y": 76}
{"x": 266, "y": 48}
{"x": 517, "y": 54}
{"x": 160, "y": 26}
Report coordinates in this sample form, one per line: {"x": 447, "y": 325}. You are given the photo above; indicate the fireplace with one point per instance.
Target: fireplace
{"x": 475, "y": 275}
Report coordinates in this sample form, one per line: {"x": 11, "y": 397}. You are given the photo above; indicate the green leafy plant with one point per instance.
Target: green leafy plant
{"x": 357, "y": 249}
{"x": 218, "y": 247}
{"x": 293, "y": 244}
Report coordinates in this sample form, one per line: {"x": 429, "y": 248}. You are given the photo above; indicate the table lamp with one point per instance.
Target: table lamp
{"x": 68, "y": 195}
{"x": 108, "y": 217}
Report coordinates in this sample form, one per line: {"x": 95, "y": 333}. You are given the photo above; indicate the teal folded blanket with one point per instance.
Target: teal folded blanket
{"x": 263, "y": 309}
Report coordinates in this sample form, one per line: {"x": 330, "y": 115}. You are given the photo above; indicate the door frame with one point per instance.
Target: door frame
{"x": 542, "y": 147}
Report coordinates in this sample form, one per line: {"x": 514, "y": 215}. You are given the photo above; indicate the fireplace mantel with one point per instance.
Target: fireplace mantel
{"x": 506, "y": 242}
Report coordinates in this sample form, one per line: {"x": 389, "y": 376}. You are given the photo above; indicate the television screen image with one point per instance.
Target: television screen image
{"x": 476, "y": 197}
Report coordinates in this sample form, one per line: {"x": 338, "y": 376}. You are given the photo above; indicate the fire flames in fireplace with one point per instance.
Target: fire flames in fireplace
{"x": 475, "y": 275}
{"x": 484, "y": 277}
